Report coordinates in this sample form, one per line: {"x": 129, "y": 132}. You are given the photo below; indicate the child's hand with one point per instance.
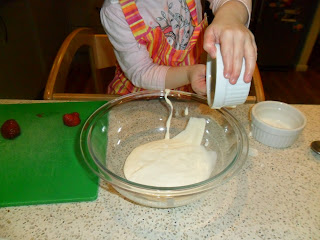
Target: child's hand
{"x": 183, "y": 75}
{"x": 236, "y": 41}
{"x": 197, "y": 78}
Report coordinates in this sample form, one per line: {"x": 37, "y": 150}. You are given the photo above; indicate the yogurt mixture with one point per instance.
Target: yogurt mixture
{"x": 178, "y": 161}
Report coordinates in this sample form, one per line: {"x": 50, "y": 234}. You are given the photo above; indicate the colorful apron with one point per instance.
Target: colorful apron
{"x": 158, "y": 47}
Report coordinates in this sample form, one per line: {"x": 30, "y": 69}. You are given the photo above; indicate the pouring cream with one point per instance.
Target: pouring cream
{"x": 178, "y": 161}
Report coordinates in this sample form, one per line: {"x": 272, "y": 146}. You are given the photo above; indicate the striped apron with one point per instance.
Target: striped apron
{"x": 158, "y": 47}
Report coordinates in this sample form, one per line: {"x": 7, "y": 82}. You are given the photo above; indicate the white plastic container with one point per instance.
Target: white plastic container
{"x": 276, "y": 124}
{"x": 220, "y": 93}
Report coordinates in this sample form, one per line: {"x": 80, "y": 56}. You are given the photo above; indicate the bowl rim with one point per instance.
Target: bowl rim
{"x": 277, "y": 129}
{"x": 226, "y": 174}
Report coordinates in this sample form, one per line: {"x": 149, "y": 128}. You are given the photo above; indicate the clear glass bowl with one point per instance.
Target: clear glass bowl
{"x": 115, "y": 129}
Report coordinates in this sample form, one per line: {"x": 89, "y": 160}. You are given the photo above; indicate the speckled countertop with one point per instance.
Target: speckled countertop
{"x": 276, "y": 195}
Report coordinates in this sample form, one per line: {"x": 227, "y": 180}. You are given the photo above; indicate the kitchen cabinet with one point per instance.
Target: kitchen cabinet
{"x": 281, "y": 28}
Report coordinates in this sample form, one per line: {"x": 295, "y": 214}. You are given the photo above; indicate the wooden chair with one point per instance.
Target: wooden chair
{"x": 101, "y": 57}
{"x": 258, "y": 92}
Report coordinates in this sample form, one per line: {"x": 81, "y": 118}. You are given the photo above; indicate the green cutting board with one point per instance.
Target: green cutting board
{"x": 44, "y": 164}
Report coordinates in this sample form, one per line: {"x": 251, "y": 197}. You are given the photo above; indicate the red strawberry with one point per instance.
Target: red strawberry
{"x": 71, "y": 119}
{"x": 10, "y": 129}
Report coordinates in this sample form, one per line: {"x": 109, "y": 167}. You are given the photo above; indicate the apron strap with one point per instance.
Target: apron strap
{"x": 134, "y": 19}
{"x": 193, "y": 11}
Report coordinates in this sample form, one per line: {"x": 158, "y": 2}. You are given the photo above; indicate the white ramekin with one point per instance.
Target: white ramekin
{"x": 276, "y": 124}
{"x": 220, "y": 93}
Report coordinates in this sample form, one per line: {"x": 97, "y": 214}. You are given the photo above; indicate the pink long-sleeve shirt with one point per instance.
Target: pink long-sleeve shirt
{"x": 133, "y": 57}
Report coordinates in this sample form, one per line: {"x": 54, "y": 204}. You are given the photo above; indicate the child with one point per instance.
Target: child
{"x": 158, "y": 43}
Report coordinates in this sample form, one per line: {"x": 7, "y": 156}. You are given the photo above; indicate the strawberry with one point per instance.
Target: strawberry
{"x": 10, "y": 129}
{"x": 71, "y": 119}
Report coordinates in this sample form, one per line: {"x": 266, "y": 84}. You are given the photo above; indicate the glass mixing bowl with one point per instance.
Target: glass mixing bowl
{"x": 115, "y": 129}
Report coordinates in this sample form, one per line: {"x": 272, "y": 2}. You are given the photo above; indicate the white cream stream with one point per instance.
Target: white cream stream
{"x": 179, "y": 161}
